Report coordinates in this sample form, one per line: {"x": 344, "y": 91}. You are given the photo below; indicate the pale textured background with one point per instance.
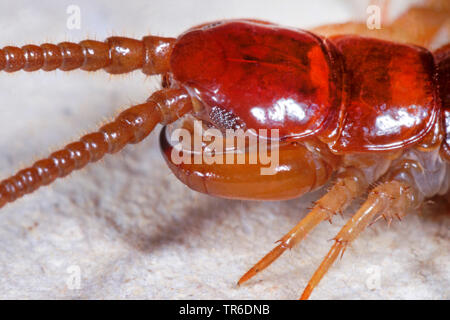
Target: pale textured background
{"x": 130, "y": 226}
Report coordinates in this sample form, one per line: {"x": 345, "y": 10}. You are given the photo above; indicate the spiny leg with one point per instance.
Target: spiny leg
{"x": 391, "y": 199}
{"x": 130, "y": 126}
{"x": 115, "y": 55}
{"x": 349, "y": 185}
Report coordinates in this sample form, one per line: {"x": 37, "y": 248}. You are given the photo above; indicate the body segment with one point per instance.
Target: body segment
{"x": 356, "y": 94}
{"x": 354, "y": 110}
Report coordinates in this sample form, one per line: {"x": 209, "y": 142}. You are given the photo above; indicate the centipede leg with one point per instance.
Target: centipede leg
{"x": 131, "y": 126}
{"x": 349, "y": 185}
{"x": 418, "y": 25}
{"x": 391, "y": 199}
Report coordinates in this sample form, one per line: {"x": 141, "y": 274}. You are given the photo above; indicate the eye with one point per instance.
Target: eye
{"x": 224, "y": 119}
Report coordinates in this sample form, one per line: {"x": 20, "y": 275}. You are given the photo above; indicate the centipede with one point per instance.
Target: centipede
{"x": 366, "y": 112}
